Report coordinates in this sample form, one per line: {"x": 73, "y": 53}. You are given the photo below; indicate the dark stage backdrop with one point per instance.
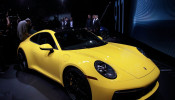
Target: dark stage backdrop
{"x": 149, "y": 21}
{"x": 154, "y": 24}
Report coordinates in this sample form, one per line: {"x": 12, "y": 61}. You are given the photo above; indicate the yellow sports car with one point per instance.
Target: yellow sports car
{"x": 88, "y": 67}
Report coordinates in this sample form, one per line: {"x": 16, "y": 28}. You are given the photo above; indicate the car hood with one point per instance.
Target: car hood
{"x": 124, "y": 57}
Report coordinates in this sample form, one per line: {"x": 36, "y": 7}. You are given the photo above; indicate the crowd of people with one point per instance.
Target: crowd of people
{"x": 93, "y": 24}
{"x": 25, "y": 28}
{"x": 64, "y": 23}
{"x": 67, "y": 23}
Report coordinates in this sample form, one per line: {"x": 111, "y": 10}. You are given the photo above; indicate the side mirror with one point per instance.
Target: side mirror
{"x": 47, "y": 47}
{"x": 100, "y": 37}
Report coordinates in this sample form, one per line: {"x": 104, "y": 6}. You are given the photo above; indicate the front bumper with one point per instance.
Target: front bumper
{"x": 136, "y": 94}
{"x": 111, "y": 89}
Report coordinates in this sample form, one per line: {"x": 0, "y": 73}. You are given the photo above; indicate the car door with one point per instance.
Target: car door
{"x": 35, "y": 52}
{"x": 48, "y": 62}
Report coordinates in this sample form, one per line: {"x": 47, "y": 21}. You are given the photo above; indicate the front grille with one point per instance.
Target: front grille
{"x": 133, "y": 94}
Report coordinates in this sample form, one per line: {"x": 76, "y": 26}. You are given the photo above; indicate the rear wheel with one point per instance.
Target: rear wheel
{"x": 22, "y": 61}
{"x": 76, "y": 84}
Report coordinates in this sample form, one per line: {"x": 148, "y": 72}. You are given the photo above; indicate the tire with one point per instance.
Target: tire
{"x": 76, "y": 85}
{"x": 22, "y": 61}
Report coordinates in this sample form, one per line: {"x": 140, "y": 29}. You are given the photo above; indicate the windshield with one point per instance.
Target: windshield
{"x": 79, "y": 39}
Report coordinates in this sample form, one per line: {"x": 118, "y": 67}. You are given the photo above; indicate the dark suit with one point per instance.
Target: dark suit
{"x": 89, "y": 23}
{"x": 96, "y": 26}
{"x": 66, "y": 24}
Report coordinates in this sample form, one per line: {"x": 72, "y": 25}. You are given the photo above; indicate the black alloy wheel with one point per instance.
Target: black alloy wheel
{"x": 22, "y": 61}
{"x": 76, "y": 85}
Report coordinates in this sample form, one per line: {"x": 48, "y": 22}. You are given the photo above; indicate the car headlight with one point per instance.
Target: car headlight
{"x": 141, "y": 51}
{"x": 105, "y": 70}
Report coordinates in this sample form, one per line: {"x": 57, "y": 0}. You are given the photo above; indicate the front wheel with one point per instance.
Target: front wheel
{"x": 22, "y": 61}
{"x": 76, "y": 85}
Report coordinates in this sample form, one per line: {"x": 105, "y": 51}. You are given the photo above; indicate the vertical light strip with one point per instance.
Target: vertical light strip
{"x": 115, "y": 12}
{"x": 123, "y": 16}
{"x": 119, "y": 16}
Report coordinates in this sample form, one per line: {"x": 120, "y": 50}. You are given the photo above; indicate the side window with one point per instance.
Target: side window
{"x": 35, "y": 38}
{"x": 47, "y": 38}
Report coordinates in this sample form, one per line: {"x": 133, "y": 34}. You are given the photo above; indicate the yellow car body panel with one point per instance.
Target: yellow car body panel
{"x": 133, "y": 69}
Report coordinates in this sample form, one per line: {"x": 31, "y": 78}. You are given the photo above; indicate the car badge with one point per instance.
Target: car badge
{"x": 145, "y": 68}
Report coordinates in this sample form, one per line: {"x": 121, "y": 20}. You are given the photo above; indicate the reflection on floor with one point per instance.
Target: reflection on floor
{"x": 17, "y": 85}
{"x": 31, "y": 85}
